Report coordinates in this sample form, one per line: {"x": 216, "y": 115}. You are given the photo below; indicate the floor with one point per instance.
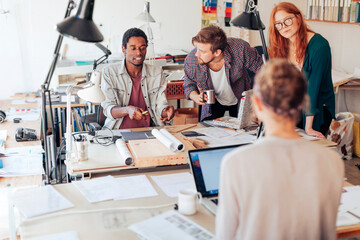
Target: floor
{"x": 352, "y": 172}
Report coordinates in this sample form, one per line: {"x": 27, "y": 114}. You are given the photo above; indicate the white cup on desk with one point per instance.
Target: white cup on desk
{"x": 82, "y": 146}
{"x": 188, "y": 201}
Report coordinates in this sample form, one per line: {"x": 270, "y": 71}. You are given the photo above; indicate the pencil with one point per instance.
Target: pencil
{"x": 145, "y": 112}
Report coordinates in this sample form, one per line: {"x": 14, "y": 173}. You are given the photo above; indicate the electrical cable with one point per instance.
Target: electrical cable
{"x": 100, "y": 210}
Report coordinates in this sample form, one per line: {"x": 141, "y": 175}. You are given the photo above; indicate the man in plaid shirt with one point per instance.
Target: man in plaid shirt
{"x": 219, "y": 63}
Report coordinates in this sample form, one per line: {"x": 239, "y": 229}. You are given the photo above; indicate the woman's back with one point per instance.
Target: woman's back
{"x": 280, "y": 189}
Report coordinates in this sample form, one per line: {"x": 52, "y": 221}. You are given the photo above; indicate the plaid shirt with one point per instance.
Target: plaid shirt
{"x": 239, "y": 57}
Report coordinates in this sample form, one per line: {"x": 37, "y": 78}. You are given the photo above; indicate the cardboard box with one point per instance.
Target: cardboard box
{"x": 185, "y": 116}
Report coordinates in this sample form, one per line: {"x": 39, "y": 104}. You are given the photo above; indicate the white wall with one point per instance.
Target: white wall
{"x": 344, "y": 39}
{"x": 28, "y": 37}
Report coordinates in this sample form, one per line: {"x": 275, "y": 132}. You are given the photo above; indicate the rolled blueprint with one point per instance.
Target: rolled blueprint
{"x": 179, "y": 145}
{"x": 125, "y": 155}
{"x": 168, "y": 140}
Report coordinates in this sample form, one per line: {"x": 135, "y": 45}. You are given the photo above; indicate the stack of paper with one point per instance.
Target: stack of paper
{"x": 216, "y": 137}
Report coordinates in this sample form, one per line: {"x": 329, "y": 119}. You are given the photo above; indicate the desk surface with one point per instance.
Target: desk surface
{"x": 97, "y": 223}
{"x": 107, "y": 158}
{"x": 11, "y": 142}
{"x": 111, "y": 219}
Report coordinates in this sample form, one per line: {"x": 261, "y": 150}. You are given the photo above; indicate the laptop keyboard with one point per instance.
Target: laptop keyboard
{"x": 215, "y": 201}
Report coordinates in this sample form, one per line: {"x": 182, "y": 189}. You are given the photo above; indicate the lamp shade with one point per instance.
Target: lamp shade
{"x": 246, "y": 20}
{"x": 81, "y": 26}
{"x": 93, "y": 93}
{"x": 145, "y": 16}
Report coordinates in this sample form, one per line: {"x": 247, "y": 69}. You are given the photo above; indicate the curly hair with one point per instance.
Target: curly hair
{"x": 133, "y": 32}
{"x": 278, "y": 45}
{"x": 281, "y": 87}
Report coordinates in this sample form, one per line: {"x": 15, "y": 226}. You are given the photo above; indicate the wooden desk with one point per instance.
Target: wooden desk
{"x": 11, "y": 142}
{"x": 92, "y": 225}
{"x": 107, "y": 158}
{"x": 107, "y": 220}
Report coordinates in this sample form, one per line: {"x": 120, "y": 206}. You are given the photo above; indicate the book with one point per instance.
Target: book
{"x": 309, "y": 9}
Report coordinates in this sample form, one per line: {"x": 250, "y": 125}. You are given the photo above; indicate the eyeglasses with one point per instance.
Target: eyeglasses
{"x": 288, "y": 22}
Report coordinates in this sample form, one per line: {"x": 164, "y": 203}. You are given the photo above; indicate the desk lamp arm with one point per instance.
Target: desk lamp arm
{"x": 107, "y": 53}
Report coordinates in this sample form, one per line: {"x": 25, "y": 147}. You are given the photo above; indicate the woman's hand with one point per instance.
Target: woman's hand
{"x": 309, "y": 130}
{"x": 312, "y": 132}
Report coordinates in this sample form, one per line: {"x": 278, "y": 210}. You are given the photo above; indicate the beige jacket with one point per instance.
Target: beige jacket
{"x": 117, "y": 84}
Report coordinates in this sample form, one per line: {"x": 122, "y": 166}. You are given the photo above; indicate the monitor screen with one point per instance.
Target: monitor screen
{"x": 205, "y": 164}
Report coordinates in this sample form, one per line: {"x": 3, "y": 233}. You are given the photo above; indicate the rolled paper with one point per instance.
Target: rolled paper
{"x": 179, "y": 145}
{"x": 125, "y": 155}
{"x": 168, "y": 140}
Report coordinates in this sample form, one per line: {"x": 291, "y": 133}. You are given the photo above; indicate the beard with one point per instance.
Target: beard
{"x": 202, "y": 62}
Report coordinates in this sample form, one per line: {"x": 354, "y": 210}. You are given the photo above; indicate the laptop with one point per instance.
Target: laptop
{"x": 205, "y": 166}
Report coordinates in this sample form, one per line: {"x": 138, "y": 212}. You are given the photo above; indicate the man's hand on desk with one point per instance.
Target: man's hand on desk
{"x": 167, "y": 114}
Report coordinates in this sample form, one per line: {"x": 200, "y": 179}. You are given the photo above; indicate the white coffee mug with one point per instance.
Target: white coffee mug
{"x": 188, "y": 201}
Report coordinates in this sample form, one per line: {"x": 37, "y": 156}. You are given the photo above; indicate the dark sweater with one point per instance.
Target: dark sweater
{"x": 317, "y": 67}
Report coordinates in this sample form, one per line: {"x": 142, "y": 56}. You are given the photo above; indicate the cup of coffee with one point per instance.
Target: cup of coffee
{"x": 210, "y": 96}
{"x": 188, "y": 201}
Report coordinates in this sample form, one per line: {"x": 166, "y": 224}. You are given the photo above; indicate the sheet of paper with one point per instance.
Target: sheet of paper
{"x": 302, "y": 133}
{"x": 19, "y": 165}
{"x": 170, "y": 225}
{"x": 57, "y": 236}
{"x": 3, "y": 135}
{"x": 216, "y": 132}
{"x": 29, "y": 150}
{"x": 26, "y": 114}
{"x": 133, "y": 187}
{"x": 344, "y": 219}
{"x": 97, "y": 189}
{"x": 171, "y": 184}
{"x": 37, "y": 201}
{"x": 350, "y": 199}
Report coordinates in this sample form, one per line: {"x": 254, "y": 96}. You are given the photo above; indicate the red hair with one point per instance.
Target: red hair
{"x": 278, "y": 45}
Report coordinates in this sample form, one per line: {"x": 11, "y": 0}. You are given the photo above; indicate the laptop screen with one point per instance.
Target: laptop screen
{"x": 205, "y": 165}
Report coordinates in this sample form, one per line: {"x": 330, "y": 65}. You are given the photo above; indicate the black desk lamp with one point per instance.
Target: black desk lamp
{"x": 250, "y": 19}
{"x": 79, "y": 27}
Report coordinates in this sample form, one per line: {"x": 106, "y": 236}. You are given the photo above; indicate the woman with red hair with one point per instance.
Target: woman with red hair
{"x": 291, "y": 38}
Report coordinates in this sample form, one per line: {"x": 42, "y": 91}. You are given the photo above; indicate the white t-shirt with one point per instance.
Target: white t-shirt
{"x": 279, "y": 189}
{"x": 223, "y": 91}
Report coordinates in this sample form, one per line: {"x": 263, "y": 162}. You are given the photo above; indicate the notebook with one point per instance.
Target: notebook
{"x": 205, "y": 166}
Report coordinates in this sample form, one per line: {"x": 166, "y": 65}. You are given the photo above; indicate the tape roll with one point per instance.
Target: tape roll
{"x": 2, "y": 116}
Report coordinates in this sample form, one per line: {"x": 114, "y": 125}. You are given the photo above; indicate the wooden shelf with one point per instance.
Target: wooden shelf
{"x": 351, "y": 23}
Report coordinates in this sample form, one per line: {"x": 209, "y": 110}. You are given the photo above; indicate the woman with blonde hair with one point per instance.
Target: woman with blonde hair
{"x": 283, "y": 186}
{"x": 291, "y": 38}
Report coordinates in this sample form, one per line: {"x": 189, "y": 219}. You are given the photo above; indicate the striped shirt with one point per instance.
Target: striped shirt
{"x": 239, "y": 57}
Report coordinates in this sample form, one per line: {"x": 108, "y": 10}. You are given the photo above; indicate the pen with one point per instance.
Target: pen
{"x": 145, "y": 112}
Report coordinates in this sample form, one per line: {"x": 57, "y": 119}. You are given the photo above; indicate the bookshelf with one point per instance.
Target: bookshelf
{"x": 351, "y": 23}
